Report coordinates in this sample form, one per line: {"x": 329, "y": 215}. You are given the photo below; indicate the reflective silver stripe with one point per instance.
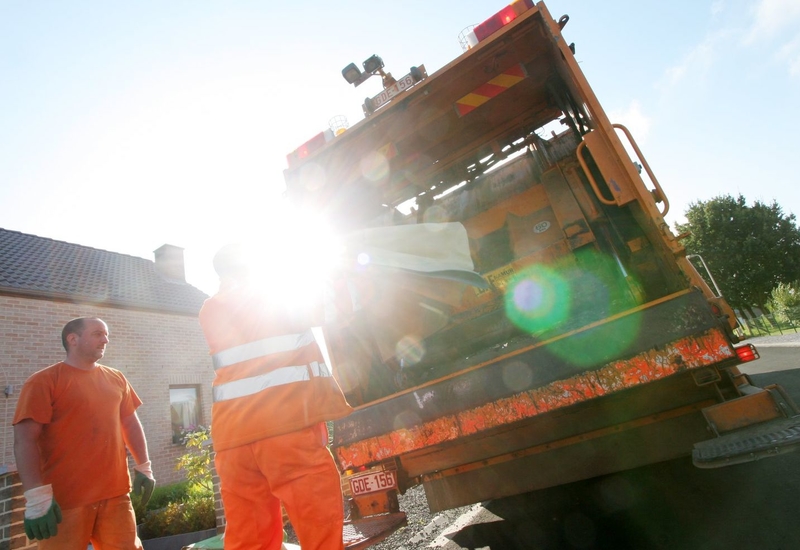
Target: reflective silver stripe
{"x": 259, "y": 348}
{"x": 278, "y": 377}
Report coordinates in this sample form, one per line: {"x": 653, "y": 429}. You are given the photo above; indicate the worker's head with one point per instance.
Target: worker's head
{"x": 231, "y": 261}
{"x": 85, "y": 337}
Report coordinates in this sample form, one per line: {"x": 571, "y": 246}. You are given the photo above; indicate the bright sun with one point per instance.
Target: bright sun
{"x": 292, "y": 254}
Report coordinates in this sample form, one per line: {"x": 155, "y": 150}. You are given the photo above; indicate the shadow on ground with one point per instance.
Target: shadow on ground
{"x": 665, "y": 506}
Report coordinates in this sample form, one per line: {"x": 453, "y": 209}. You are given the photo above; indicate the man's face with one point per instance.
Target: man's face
{"x": 91, "y": 343}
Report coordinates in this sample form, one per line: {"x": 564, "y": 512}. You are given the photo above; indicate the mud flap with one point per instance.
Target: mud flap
{"x": 365, "y": 532}
{"x": 762, "y": 440}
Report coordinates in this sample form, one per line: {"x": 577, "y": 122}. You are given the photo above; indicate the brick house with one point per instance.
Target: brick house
{"x": 155, "y": 339}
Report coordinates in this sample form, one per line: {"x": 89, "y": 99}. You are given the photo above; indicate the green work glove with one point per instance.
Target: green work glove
{"x": 143, "y": 482}
{"x": 42, "y": 513}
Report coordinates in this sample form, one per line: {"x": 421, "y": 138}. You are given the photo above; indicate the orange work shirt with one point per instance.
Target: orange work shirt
{"x": 83, "y": 453}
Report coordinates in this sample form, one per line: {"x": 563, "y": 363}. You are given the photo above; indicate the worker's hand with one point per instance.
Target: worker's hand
{"x": 42, "y": 513}
{"x": 143, "y": 482}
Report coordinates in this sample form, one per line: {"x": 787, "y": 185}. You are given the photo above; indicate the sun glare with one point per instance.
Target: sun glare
{"x": 292, "y": 255}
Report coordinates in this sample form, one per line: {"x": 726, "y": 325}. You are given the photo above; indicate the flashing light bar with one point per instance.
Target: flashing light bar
{"x": 313, "y": 144}
{"x": 747, "y": 353}
{"x": 501, "y": 19}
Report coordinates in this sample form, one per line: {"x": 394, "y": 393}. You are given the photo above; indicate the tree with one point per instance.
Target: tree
{"x": 749, "y": 249}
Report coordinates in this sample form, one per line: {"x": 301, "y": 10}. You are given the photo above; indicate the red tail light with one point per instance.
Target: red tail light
{"x": 317, "y": 142}
{"x": 501, "y": 18}
{"x": 747, "y": 353}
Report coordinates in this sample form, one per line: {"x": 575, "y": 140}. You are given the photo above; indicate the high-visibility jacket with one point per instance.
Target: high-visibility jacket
{"x": 270, "y": 374}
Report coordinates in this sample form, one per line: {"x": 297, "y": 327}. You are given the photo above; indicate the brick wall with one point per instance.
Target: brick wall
{"x": 12, "y": 508}
{"x": 219, "y": 511}
{"x": 154, "y": 350}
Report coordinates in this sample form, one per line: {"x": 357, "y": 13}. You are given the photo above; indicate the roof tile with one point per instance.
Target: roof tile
{"x": 48, "y": 268}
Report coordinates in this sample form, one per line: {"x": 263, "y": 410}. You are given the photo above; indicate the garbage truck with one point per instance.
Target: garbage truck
{"x": 593, "y": 346}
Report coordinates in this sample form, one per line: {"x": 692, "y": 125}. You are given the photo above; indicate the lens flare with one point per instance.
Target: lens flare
{"x": 605, "y": 291}
{"x": 537, "y": 300}
{"x": 375, "y": 167}
{"x": 313, "y": 177}
{"x": 517, "y": 376}
{"x": 405, "y": 420}
{"x": 435, "y": 214}
{"x": 409, "y": 350}
{"x": 583, "y": 289}
{"x": 600, "y": 344}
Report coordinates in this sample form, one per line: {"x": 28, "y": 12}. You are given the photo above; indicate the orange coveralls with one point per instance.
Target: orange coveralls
{"x": 272, "y": 394}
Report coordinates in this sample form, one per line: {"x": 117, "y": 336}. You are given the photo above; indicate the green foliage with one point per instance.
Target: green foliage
{"x": 176, "y": 492}
{"x": 162, "y": 495}
{"x": 194, "y": 514}
{"x": 186, "y": 506}
{"x": 138, "y": 509}
{"x": 329, "y": 425}
{"x": 784, "y": 301}
{"x": 196, "y": 461}
{"x": 749, "y": 249}
{"x": 178, "y": 508}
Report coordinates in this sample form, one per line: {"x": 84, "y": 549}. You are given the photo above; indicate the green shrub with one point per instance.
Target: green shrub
{"x": 186, "y": 506}
{"x": 784, "y": 301}
{"x": 162, "y": 495}
{"x": 196, "y": 461}
{"x": 175, "y": 492}
{"x": 194, "y": 514}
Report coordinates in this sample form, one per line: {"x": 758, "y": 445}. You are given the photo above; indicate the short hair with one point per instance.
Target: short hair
{"x": 75, "y": 326}
{"x": 231, "y": 260}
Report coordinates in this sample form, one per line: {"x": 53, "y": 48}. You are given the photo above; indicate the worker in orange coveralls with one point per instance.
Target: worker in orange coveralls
{"x": 272, "y": 394}
{"x": 72, "y": 425}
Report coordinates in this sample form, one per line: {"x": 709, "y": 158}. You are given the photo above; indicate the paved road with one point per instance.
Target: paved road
{"x": 671, "y": 505}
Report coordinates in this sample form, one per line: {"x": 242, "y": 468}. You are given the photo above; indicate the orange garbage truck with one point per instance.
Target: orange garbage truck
{"x": 594, "y": 345}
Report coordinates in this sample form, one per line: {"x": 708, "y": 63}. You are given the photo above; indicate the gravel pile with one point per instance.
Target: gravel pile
{"x": 423, "y": 526}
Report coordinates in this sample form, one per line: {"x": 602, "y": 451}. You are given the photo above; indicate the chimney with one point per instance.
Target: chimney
{"x": 169, "y": 262}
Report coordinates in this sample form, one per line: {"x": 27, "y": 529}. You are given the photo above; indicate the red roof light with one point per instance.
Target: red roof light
{"x": 501, "y": 18}
{"x": 317, "y": 142}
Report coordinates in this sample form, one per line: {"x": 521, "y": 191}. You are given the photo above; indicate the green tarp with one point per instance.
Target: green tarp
{"x": 214, "y": 543}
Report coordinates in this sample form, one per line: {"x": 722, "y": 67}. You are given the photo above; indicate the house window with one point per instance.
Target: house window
{"x": 184, "y": 406}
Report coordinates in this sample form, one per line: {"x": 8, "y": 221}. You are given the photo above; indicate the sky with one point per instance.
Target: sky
{"x": 128, "y": 125}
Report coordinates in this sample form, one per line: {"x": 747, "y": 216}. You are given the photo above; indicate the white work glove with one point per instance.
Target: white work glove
{"x": 145, "y": 468}
{"x": 42, "y": 513}
{"x": 143, "y": 481}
